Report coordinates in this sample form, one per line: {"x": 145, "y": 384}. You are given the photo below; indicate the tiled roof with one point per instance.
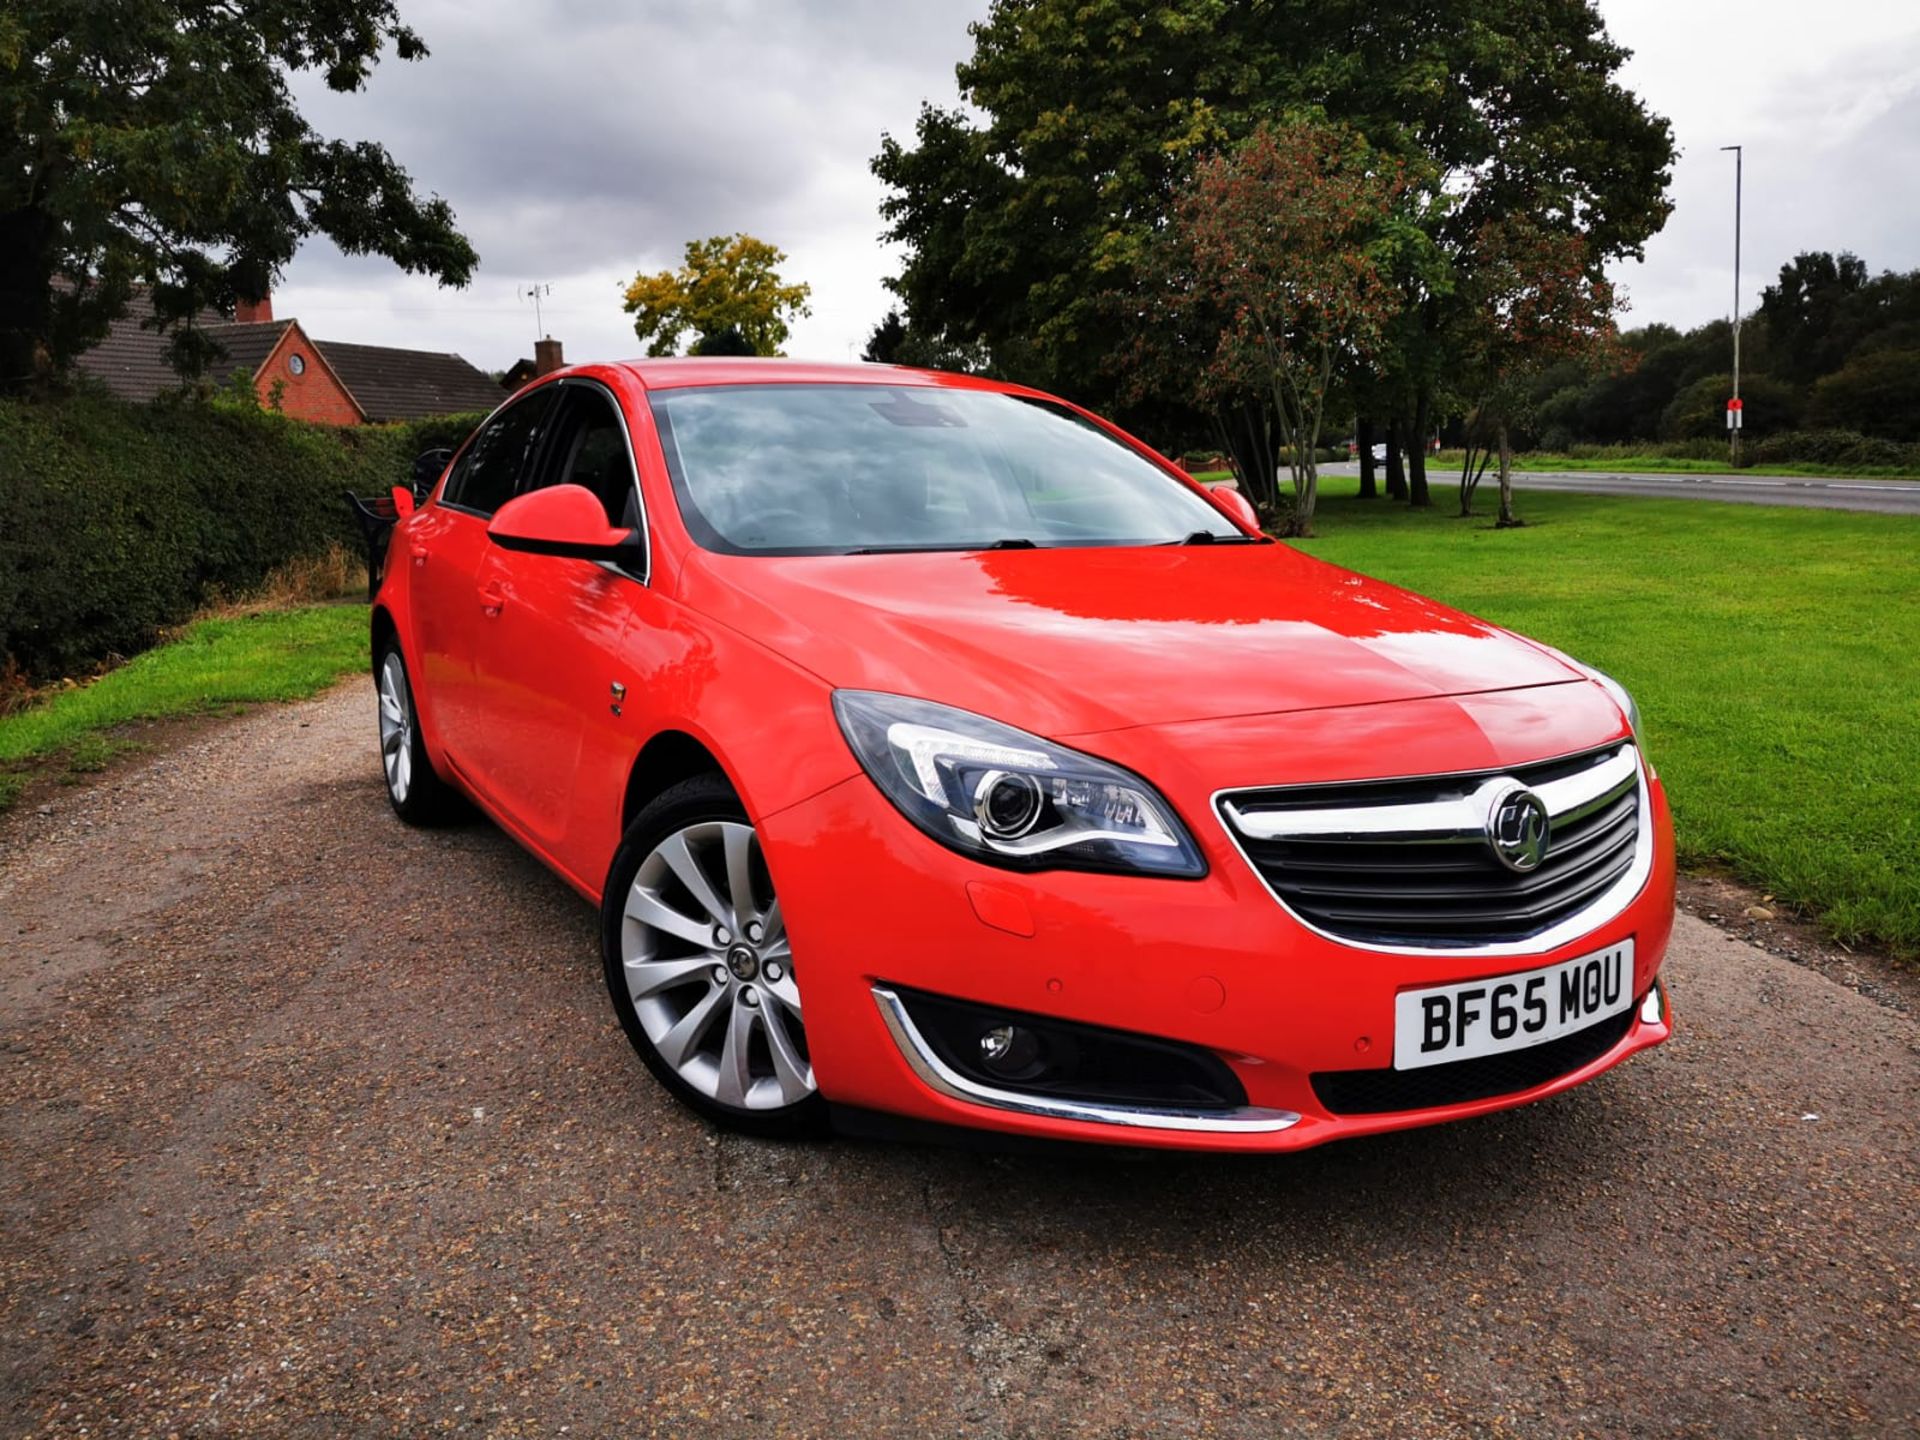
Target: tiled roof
{"x": 247, "y": 347}
{"x": 388, "y": 384}
{"x": 132, "y": 360}
{"x": 409, "y": 384}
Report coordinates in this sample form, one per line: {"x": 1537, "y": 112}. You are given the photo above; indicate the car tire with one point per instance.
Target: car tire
{"x": 418, "y": 795}
{"x": 699, "y": 967}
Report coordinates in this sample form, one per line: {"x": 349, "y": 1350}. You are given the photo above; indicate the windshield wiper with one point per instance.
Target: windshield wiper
{"x": 1207, "y": 537}
{"x": 1013, "y": 543}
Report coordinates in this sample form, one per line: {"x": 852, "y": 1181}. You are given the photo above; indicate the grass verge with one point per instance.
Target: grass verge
{"x": 1447, "y": 464}
{"x": 214, "y": 664}
{"x": 1772, "y": 651}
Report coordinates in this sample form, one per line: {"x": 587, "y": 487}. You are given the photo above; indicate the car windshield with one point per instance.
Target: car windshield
{"x": 853, "y": 468}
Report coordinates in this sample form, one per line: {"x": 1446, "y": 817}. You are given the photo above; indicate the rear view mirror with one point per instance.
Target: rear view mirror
{"x": 564, "y": 520}
{"x": 1236, "y": 506}
{"x": 427, "y": 466}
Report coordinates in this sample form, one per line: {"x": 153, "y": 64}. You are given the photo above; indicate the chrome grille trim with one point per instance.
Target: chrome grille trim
{"x": 1463, "y": 817}
{"x": 1433, "y": 825}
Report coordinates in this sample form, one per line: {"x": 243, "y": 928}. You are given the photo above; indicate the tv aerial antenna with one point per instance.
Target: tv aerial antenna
{"x": 537, "y": 293}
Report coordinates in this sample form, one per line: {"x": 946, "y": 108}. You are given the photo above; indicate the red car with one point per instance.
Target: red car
{"x": 936, "y": 751}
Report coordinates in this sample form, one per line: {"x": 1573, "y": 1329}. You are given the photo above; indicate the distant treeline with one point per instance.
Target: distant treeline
{"x": 1830, "y": 349}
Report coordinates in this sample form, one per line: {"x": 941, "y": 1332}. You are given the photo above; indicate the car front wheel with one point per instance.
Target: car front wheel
{"x": 699, "y": 966}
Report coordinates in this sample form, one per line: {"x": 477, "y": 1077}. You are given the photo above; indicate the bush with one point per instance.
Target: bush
{"x": 1841, "y": 449}
{"x": 1699, "y": 412}
{"x": 440, "y": 432}
{"x": 1877, "y": 394}
{"x": 119, "y": 520}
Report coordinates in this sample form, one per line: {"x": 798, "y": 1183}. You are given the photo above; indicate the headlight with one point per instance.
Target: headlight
{"x": 1010, "y": 798}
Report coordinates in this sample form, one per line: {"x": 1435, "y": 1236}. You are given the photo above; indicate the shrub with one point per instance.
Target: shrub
{"x": 1841, "y": 449}
{"x": 1699, "y": 412}
{"x": 435, "y": 433}
{"x": 1877, "y": 394}
{"x": 118, "y": 520}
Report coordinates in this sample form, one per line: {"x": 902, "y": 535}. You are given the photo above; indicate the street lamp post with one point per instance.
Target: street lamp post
{"x": 1735, "y": 408}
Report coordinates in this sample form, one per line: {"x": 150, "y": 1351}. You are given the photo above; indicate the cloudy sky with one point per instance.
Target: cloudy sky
{"x": 580, "y": 142}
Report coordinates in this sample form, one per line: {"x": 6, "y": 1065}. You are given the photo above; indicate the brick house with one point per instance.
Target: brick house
{"x": 329, "y": 382}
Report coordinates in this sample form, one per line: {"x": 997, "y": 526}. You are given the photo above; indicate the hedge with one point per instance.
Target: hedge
{"x": 1842, "y": 449}
{"x": 119, "y": 520}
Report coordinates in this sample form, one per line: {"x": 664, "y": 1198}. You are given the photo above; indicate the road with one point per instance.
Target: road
{"x": 312, "y": 1125}
{"x": 1887, "y": 497}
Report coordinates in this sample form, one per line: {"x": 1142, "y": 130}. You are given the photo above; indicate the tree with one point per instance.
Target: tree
{"x": 1877, "y": 393}
{"x": 895, "y": 342}
{"x": 1023, "y": 224}
{"x": 888, "y": 339}
{"x": 729, "y": 282}
{"x": 1274, "y": 263}
{"x": 1541, "y": 300}
{"x": 159, "y": 144}
{"x": 724, "y": 342}
{"x": 1699, "y": 412}
{"x": 1804, "y": 307}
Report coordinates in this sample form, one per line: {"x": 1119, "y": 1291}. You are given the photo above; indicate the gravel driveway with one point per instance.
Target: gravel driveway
{"x": 314, "y": 1125}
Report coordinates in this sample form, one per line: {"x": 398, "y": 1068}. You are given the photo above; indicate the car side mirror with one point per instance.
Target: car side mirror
{"x": 1236, "y": 506}
{"x": 427, "y": 466}
{"x": 563, "y": 520}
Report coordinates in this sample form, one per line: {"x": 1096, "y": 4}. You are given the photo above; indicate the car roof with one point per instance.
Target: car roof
{"x": 683, "y": 371}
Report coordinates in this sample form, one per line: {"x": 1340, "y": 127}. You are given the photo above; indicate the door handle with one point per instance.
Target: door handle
{"x": 493, "y": 595}
{"x": 419, "y": 554}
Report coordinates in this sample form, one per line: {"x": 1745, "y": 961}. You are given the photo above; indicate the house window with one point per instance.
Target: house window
{"x": 297, "y": 364}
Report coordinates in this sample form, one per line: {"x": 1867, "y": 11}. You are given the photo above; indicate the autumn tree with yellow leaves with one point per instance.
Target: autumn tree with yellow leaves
{"x": 728, "y": 296}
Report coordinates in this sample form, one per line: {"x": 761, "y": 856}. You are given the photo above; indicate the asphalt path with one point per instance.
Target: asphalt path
{"x": 314, "y": 1125}
{"x": 1887, "y": 497}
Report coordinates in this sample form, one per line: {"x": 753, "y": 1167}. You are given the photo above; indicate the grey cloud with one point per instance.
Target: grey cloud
{"x": 580, "y": 142}
{"x": 567, "y": 134}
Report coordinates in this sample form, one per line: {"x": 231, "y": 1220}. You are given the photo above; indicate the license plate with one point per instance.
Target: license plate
{"x": 1510, "y": 1012}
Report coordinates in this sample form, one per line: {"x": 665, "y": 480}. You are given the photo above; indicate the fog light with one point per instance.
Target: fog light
{"x": 1007, "y": 805}
{"x": 1651, "y": 1007}
{"x": 1009, "y": 1050}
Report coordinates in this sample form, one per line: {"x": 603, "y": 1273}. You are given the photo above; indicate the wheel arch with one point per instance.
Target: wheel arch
{"x": 381, "y": 629}
{"x": 669, "y": 757}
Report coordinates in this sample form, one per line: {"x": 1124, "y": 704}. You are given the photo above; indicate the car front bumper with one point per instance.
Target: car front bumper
{"x": 876, "y": 909}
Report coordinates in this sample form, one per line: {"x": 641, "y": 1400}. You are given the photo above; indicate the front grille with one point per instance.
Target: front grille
{"x": 1377, "y": 1092}
{"x": 1408, "y": 862}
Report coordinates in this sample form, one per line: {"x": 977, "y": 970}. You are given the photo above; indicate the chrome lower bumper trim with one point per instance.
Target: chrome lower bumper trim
{"x": 943, "y": 1078}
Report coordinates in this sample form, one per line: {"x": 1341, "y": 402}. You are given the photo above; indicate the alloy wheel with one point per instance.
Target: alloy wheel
{"x": 709, "y": 969}
{"x": 396, "y": 727}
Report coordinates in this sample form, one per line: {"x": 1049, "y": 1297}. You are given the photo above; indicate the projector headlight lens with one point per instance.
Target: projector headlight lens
{"x": 1010, "y": 798}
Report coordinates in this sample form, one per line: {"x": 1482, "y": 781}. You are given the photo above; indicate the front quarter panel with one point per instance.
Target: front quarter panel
{"x": 767, "y": 721}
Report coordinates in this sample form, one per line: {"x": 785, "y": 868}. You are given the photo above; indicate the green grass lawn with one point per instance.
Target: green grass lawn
{"x": 1775, "y": 654}
{"x": 214, "y": 665}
